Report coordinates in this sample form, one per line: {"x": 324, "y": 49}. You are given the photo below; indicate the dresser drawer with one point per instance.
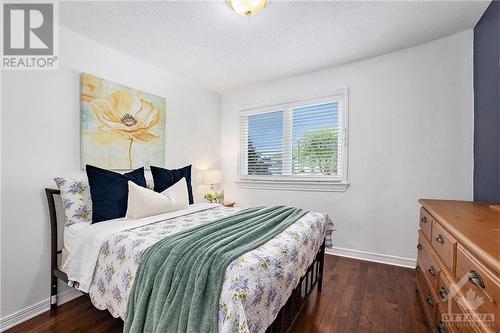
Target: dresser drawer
{"x": 425, "y": 222}
{"x": 450, "y": 316}
{"x": 427, "y": 298}
{"x": 428, "y": 263}
{"x": 443, "y": 323}
{"x": 481, "y": 288}
{"x": 461, "y": 319}
{"x": 444, "y": 291}
{"x": 444, "y": 244}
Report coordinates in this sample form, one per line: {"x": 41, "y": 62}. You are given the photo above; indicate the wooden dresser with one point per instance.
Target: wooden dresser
{"x": 458, "y": 266}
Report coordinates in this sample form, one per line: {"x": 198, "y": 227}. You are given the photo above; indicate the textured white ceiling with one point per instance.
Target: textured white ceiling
{"x": 208, "y": 43}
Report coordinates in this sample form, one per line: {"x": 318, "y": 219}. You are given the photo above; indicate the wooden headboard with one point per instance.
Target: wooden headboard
{"x": 55, "y": 272}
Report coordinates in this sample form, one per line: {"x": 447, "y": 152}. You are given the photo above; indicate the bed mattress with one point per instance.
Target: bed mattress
{"x": 256, "y": 285}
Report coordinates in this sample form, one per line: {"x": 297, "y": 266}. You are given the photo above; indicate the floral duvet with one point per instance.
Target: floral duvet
{"x": 256, "y": 285}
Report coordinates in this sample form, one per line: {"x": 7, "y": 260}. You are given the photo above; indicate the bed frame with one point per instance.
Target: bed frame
{"x": 285, "y": 319}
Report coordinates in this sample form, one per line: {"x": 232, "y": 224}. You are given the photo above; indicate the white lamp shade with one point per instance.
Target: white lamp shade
{"x": 210, "y": 177}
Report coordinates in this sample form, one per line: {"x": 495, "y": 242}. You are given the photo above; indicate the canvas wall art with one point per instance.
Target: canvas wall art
{"x": 121, "y": 128}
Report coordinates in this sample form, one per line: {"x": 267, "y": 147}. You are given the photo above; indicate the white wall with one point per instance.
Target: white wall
{"x": 411, "y": 126}
{"x": 40, "y": 140}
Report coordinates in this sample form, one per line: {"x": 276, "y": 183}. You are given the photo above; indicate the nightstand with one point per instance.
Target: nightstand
{"x": 229, "y": 203}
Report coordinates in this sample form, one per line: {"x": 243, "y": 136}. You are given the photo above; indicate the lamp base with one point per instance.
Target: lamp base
{"x": 215, "y": 196}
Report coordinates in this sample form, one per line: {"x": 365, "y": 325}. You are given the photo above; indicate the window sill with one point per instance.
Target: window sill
{"x": 295, "y": 185}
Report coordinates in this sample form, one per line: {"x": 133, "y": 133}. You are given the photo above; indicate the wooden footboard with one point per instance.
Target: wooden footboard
{"x": 283, "y": 322}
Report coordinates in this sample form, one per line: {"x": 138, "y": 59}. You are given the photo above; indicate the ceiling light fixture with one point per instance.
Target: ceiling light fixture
{"x": 247, "y": 7}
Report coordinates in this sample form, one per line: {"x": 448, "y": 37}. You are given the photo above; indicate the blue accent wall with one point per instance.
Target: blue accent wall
{"x": 487, "y": 106}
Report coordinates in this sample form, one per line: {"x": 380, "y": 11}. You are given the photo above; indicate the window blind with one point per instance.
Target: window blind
{"x": 304, "y": 140}
{"x": 262, "y": 143}
{"x": 316, "y": 140}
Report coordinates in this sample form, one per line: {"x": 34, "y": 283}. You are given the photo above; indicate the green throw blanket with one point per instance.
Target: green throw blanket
{"x": 179, "y": 280}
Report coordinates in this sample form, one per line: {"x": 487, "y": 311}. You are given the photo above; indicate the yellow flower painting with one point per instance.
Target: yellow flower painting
{"x": 121, "y": 128}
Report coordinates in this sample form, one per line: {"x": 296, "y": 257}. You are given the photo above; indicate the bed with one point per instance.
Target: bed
{"x": 264, "y": 290}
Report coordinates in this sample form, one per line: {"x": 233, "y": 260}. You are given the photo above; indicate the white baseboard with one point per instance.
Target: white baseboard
{"x": 372, "y": 256}
{"x": 34, "y": 310}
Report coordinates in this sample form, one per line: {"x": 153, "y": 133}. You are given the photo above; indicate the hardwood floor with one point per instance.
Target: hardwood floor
{"x": 357, "y": 296}
{"x": 361, "y": 296}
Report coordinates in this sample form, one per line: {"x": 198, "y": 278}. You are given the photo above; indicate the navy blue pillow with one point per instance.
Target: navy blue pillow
{"x": 109, "y": 191}
{"x": 164, "y": 178}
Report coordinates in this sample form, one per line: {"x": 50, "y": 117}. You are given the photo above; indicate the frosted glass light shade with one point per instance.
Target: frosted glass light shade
{"x": 210, "y": 177}
{"x": 247, "y": 7}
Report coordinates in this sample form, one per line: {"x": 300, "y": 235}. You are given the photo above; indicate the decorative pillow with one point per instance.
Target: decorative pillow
{"x": 164, "y": 178}
{"x": 77, "y": 204}
{"x": 109, "y": 191}
{"x": 178, "y": 194}
{"x": 144, "y": 202}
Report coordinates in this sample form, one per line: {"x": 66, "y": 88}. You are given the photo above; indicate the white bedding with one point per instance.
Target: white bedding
{"x": 71, "y": 233}
{"x": 83, "y": 242}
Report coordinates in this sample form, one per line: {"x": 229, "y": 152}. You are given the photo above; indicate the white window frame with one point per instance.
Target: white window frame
{"x": 297, "y": 183}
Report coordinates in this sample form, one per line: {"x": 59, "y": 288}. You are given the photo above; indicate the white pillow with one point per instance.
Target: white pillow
{"x": 178, "y": 194}
{"x": 144, "y": 202}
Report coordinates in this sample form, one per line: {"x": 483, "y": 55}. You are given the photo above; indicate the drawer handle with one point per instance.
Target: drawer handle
{"x": 423, "y": 220}
{"x": 432, "y": 271}
{"x": 419, "y": 247}
{"x": 440, "y": 239}
{"x": 417, "y": 269}
{"x": 441, "y": 327}
{"x": 430, "y": 300}
{"x": 443, "y": 293}
{"x": 477, "y": 280}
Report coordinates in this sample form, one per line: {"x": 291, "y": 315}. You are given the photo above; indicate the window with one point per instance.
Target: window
{"x": 295, "y": 144}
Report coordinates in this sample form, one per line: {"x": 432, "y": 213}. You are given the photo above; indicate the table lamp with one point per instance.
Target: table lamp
{"x": 212, "y": 177}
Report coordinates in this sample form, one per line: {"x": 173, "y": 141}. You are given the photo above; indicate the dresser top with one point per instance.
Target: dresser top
{"x": 476, "y": 225}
